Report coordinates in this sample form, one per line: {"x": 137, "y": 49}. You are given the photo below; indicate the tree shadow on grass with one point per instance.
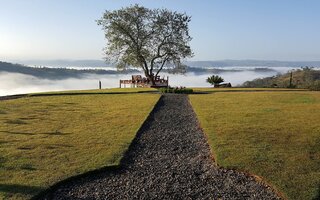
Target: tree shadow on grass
{"x": 15, "y": 121}
{"x": 3, "y": 141}
{"x": 2, "y": 161}
{"x": 125, "y": 161}
{"x": 91, "y": 93}
{"x": 317, "y": 197}
{"x": 57, "y": 132}
{"x": 46, "y": 133}
{"x": 57, "y": 146}
{"x": 28, "y": 167}
{"x": 17, "y": 133}
{"x": 20, "y": 189}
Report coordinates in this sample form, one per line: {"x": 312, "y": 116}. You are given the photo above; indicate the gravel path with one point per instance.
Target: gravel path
{"x": 169, "y": 159}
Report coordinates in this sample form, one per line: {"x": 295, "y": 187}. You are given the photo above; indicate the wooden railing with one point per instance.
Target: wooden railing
{"x": 139, "y": 81}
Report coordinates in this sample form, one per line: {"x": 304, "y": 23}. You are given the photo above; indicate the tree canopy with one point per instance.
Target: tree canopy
{"x": 215, "y": 80}
{"x": 151, "y": 39}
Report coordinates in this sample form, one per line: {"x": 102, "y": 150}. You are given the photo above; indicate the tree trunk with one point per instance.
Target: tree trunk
{"x": 153, "y": 83}
{"x": 151, "y": 78}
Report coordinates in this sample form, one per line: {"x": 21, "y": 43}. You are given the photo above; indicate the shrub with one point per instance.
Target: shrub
{"x": 315, "y": 85}
{"x": 215, "y": 80}
{"x": 178, "y": 90}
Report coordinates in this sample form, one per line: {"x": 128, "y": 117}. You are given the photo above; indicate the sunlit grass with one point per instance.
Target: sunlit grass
{"x": 275, "y": 135}
{"x": 47, "y": 139}
{"x": 102, "y": 91}
{"x": 234, "y": 89}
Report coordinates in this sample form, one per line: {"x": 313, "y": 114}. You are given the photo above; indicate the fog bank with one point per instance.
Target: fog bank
{"x": 15, "y": 83}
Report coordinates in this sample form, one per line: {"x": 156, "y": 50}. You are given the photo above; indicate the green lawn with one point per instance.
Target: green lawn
{"x": 275, "y": 135}
{"x": 47, "y": 139}
{"x": 234, "y": 89}
{"x": 102, "y": 91}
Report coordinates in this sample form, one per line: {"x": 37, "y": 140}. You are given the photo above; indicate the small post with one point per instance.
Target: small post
{"x": 120, "y": 84}
{"x": 290, "y": 84}
{"x": 99, "y": 85}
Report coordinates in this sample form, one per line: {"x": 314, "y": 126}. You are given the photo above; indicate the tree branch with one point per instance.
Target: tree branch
{"x": 163, "y": 63}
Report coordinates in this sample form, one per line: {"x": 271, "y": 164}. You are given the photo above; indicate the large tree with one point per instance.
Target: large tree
{"x": 151, "y": 39}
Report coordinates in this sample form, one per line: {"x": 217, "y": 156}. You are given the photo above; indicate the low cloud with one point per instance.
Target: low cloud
{"x": 14, "y": 83}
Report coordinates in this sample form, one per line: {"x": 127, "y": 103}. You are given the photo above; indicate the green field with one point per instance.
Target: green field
{"x": 235, "y": 89}
{"x": 275, "y": 135}
{"x": 46, "y": 139}
{"x": 102, "y": 91}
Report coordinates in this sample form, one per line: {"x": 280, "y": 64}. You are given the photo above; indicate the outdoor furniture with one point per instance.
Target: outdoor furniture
{"x": 139, "y": 81}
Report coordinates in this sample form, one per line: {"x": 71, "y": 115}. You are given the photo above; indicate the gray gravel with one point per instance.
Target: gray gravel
{"x": 169, "y": 159}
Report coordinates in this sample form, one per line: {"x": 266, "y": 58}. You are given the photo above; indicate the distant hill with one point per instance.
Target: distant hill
{"x": 217, "y": 63}
{"x": 252, "y": 63}
{"x": 212, "y": 70}
{"x": 53, "y": 73}
{"x": 63, "y": 73}
{"x": 300, "y": 78}
{"x": 66, "y": 63}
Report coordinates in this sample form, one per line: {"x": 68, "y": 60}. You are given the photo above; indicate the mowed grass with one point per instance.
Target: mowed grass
{"x": 46, "y": 139}
{"x": 275, "y": 135}
{"x": 101, "y": 91}
{"x": 235, "y": 89}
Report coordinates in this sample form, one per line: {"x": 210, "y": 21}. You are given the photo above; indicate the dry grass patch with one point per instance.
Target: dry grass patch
{"x": 275, "y": 135}
{"x": 47, "y": 139}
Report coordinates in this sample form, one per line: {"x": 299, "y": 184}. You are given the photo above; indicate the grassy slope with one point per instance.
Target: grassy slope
{"x": 275, "y": 135}
{"x": 47, "y": 139}
{"x": 302, "y": 78}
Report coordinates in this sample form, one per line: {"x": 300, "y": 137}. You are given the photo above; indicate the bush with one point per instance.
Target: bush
{"x": 315, "y": 85}
{"x": 215, "y": 80}
{"x": 178, "y": 90}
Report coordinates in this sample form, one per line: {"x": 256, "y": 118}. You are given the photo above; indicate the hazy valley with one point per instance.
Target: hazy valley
{"x": 41, "y": 76}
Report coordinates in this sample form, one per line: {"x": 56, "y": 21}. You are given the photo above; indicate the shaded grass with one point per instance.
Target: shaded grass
{"x": 275, "y": 135}
{"x": 102, "y": 91}
{"x": 47, "y": 139}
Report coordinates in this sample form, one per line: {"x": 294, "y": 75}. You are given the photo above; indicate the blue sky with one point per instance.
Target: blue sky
{"x": 221, "y": 29}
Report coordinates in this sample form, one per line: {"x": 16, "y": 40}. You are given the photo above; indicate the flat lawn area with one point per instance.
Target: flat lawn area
{"x": 47, "y": 139}
{"x": 234, "y": 89}
{"x": 102, "y": 91}
{"x": 275, "y": 135}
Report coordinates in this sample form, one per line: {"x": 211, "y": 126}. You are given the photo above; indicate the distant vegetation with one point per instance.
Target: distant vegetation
{"x": 305, "y": 77}
{"x": 252, "y": 63}
{"x": 64, "y": 73}
{"x": 178, "y": 90}
{"x": 215, "y": 70}
{"x": 56, "y": 73}
{"x": 215, "y": 80}
{"x": 196, "y": 64}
